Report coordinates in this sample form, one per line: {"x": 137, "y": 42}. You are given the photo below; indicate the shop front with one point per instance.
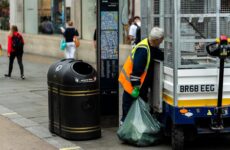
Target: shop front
{"x": 4, "y": 15}
{"x": 44, "y": 16}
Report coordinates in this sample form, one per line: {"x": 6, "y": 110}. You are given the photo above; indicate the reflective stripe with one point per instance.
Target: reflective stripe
{"x": 145, "y": 46}
{"x": 126, "y": 76}
{"x": 134, "y": 50}
{"x": 135, "y": 77}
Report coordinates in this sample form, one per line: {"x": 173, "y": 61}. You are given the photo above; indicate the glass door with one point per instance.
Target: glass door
{"x": 58, "y": 14}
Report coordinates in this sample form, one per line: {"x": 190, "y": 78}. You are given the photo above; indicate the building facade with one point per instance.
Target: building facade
{"x": 29, "y": 15}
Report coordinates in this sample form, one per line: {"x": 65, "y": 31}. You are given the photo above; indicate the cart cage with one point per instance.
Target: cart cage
{"x": 189, "y": 25}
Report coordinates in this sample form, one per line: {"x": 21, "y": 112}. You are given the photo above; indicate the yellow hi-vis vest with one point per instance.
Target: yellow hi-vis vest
{"x": 124, "y": 77}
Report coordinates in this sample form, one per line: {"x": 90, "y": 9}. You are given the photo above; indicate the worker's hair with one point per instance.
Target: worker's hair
{"x": 156, "y": 33}
{"x": 70, "y": 23}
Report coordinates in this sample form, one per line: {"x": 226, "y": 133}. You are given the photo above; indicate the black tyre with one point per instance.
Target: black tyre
{"x": 178, "y": 138}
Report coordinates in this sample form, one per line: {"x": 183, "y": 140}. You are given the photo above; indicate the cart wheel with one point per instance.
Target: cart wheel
{"x": 177, "y": 138}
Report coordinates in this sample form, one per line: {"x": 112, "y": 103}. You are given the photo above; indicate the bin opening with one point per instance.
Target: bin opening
{"x": 82, "y": 68}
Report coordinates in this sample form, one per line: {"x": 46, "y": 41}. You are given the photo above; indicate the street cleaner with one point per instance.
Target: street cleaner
{"x": 136, "y": 77}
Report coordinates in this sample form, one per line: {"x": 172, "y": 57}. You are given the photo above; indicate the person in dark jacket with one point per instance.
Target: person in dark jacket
{"x": 15, "y": 49}
{"x": 47, "y": 26}
{"x": 69, "y": 33}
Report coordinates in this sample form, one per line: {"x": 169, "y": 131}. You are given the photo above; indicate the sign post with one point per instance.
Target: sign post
{"x": 108, "y": 55}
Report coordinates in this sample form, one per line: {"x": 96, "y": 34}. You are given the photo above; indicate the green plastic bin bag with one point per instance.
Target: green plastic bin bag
{"x": 140, "y": 128}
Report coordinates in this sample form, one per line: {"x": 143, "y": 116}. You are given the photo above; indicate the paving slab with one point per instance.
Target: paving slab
{"x": 14, "y": 137}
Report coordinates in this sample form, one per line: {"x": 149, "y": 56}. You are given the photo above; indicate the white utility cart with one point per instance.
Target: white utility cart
{"x": 186, "y": 84}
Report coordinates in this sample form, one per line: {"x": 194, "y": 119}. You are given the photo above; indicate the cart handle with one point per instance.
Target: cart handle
{"x": 212, "y": 53}
{"x": 223, "y": 49}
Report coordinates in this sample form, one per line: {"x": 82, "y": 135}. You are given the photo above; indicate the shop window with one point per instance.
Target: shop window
{"x": 4, "y": 15}
{"x": 44, "y": 17}
{"x": 68, "y": 14}
{"x": 58, "y": 14}
{"x": 51, "y": 16}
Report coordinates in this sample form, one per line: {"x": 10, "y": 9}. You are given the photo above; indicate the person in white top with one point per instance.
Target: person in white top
{"x": 134, "y": 30}
{"x": 69, "y": 33}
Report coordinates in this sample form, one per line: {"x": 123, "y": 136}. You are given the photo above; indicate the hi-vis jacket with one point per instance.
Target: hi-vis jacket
{"x": 124, "y": 77}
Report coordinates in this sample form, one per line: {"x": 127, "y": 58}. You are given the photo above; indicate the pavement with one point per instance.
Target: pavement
{"x": 14, "y": 137}
{"x": 24, "y": 116}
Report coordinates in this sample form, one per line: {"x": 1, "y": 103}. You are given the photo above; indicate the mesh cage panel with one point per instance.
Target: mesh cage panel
{"x": 198, "y": 6}
{"x": 225, "y": 26}
{"x": 225, "y": 6}
{"x": 156, "y": 7}
{"x": 168, "y": 28}
{"x": 193, "y": 49}
{"x": 168, "y": 6}
{"x": 168, "y": 53}
{"x": 168, "y": 32}
{"x": 193, "y": 30}
{"x": 156, "y": 11}
{"x": 197, "y": 28}
{"x": 195, "y": 54}
{"x": 156, "y": 22}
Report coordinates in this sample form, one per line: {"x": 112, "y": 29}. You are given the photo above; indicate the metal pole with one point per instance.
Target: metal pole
{"x": 176, "y": 49}
{"x": 220, "y": 91}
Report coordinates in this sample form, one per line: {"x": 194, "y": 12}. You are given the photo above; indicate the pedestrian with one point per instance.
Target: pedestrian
{"x": 136, "y": 76}
{"x": 15, "y": 49}
{"x": 69, "y": 33}
{"x": 47, "y": 26}
{"x": 135, "y": 31}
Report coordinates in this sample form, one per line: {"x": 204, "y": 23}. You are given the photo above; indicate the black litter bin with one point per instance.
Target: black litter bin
{"x": 74, "y": 107}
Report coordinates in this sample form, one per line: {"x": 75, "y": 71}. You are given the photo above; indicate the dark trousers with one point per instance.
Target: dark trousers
{"x": 127, "y": 101}
{"x": 19, "y": 58}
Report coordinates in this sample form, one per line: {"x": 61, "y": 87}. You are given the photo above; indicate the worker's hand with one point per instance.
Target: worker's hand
{"x": 8, "y": 54}
{"x": 135, "y": 93}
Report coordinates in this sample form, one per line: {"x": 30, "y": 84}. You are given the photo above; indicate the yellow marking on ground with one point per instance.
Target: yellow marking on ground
{"x": 71, "y": 148}
{"x": 8, "y": 114}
